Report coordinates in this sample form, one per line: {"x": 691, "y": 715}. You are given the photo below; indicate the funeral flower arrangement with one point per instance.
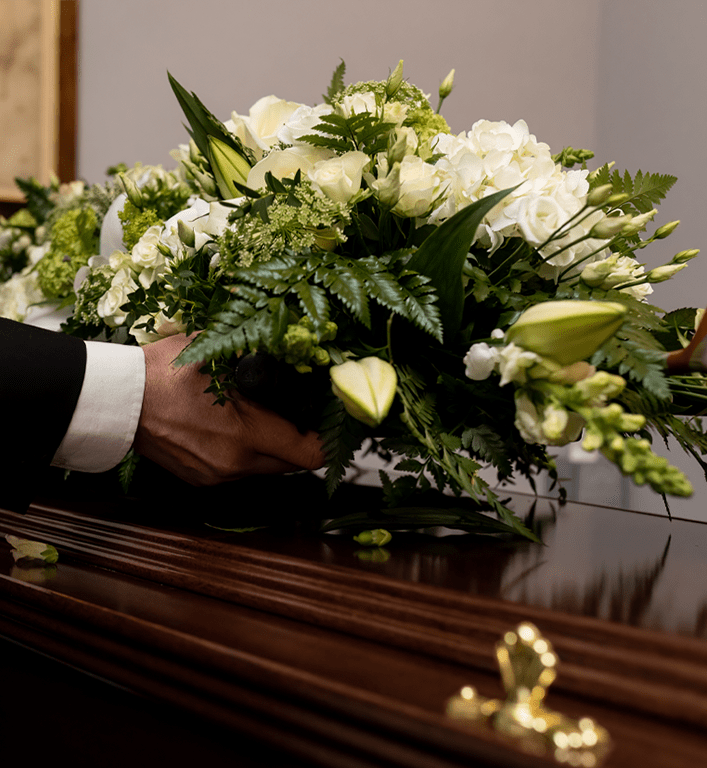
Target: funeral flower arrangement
{"x": 456, "y": 299}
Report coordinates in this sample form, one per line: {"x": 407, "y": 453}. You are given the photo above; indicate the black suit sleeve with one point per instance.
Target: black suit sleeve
{"x": 41, "y": 374}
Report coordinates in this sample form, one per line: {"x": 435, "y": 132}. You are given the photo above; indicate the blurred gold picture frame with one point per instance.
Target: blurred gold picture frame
{"x": 37, "y": 92}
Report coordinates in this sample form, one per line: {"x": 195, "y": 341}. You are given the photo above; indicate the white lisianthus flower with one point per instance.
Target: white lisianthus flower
{"x": 284, "y": 163}
{"x": 481, "y": 361}
{"x": 339, "y": 178}
{"x": 198, "y": 218}
{"x": 614, "y": 270}
{"x": 302, "y": 122}
{"x": 113, "y": 299}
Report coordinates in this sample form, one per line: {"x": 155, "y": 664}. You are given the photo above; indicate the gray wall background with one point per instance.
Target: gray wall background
{"x": 625, "y": 78}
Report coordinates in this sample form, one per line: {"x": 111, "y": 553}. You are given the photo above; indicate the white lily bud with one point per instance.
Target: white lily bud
{"x": 228, "y": 166}
{"x": 566, "y": 331}
{"x": 366, "y": 387}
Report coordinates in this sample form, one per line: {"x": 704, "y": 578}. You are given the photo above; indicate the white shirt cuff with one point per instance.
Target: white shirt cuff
{"x": 106, "y": 417}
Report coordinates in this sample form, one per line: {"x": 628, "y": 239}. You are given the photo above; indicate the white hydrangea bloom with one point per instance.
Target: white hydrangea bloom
{"x": 496, "y": 155}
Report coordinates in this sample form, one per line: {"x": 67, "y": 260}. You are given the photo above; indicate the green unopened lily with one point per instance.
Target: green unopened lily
{"x": 567, "y": 331}
{"x": 366, "y": 388}
{"x": 228, "y": 166}
{"x": 26, "y": 549}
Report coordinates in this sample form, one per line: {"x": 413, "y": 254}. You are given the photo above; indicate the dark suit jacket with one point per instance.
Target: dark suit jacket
{"x": 41, "y": 374}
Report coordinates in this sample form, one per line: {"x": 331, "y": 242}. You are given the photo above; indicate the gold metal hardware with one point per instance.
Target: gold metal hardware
{"x": 528, "y": 667}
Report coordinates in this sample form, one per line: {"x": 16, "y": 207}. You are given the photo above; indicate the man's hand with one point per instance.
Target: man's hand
{"x": 183, "y": 431}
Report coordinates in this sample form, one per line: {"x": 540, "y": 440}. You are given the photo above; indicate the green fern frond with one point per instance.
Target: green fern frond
{"x": 644, "y": 191}
{"x": 337, "y": 83}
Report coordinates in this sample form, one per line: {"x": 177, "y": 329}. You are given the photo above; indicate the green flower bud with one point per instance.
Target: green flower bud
{"x": 194, "y": 155}
{"x": 377, "y": 555}
{"x": 638, "y": 223}
{"x": 447, "y": 84}
{"x": 366, "y": 387}
{"x": 665, "y": 230}
{"x": 329, "y": 332}
{"x": 320, "y": 356}
{"x": 186, "y": 233}
{"x": 684, "y": 256}
{"x": 228, "y": 166}
{"x": 132, "y": 191}
{"x": 389, "y": 188}
{"x": 593, "y": 439}
{"x": 597, "y": 197}
{"x": 204, "y": 180}
{"x": 395, "y": 80}
{"x": 617, "y": 199}
{"x": 609, "y": 227}
{"x": 566, "y": 331}
{"x": 378, "y": 537}
{"x": 660, "y": 274}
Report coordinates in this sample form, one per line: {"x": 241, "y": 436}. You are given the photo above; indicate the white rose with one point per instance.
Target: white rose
{"x": 480, "y": 361}
{"x": 109, "y": 304}
{"x": 284, "y": 163}
{"x": 357, "y": 103}
{"x": 421, "y": 187}
{"x": 302, "y": 122}
{"x": 339, "y": 178}
{"x": 259, "y": 130}
{"x": 146, "y": 253}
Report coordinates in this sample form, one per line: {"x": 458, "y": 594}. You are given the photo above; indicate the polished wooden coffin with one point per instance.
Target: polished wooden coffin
{"x": 159, "y": 637}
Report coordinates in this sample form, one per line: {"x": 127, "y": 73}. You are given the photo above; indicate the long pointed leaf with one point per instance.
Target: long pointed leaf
{"x": 442, "y": 255}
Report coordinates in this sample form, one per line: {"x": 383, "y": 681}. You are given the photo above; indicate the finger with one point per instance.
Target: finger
{"x": 278, "y": 438}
